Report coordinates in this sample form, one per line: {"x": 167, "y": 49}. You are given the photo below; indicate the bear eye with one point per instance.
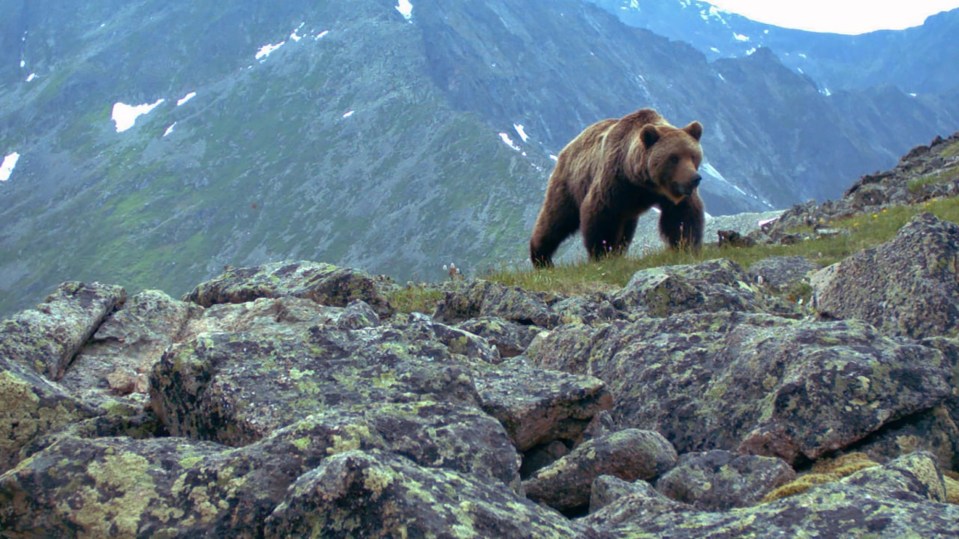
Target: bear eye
{"x": 673, "y": 159}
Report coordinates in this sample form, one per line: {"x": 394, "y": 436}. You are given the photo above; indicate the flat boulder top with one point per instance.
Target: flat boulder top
{"x": 323, "y": 283}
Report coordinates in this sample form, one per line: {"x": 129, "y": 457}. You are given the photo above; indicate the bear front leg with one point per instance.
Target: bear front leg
{"x": 681, "y": 225}
{"x": 602, "y": 234}
{"x": 629, "y": 230}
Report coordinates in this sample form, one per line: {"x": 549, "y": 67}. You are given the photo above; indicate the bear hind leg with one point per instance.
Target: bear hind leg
{"x": 553, "y": 226}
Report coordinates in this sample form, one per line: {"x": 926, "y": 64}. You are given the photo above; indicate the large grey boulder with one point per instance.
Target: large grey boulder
{"x": 629, "y": 454}
{"x": 902, "y": 499}
{"x": 370, "y": 494}
{"x": 539, "y": 406}
{"x": 48, "y": 337}
{"x": 711, "y": 286}
{"x": 908, "y": 286}
{"x": 30, "y": 407}
{"x": 782, "y": 273}
{"x": 117, "y": 359}
{"x": 752, "y": 382}
{"x": 235, "y": 388}
{"x": 510, "y": 338}
{"x": 484, "y": 298}
{"x": 720, "y": 480}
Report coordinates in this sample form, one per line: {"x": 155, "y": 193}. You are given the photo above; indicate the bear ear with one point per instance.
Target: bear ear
{"x": 695, "y": 130}
{"x": 649, "y": 135}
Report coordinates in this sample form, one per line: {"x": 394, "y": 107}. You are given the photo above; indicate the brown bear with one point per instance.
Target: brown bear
{"x": 614, "y": 171}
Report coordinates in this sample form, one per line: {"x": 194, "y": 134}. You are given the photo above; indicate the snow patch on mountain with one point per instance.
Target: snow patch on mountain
{"x": 9, "y": 163}
{"x": 405, "y": 7}
{"x": 521, "y": 131}
{"x": 713, "y": 13}
{"x": 508, "y": 141}
{"x": 267, "y": 50}
{"x": 183, "y": 100}
{"x": 295, "y": 36}
{"x": 124, "y": 116}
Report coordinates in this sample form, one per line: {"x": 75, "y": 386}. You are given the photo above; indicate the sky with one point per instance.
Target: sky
{"x": 838, "y": 16}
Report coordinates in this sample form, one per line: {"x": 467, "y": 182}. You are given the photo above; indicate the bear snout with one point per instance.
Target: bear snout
{"x": 688, "y": 188}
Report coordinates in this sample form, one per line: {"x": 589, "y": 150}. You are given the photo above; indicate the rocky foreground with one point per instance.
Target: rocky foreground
{"x": 292, "y": 399}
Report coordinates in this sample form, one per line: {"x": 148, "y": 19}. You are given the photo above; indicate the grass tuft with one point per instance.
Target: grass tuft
{"x": 416, "y": 298}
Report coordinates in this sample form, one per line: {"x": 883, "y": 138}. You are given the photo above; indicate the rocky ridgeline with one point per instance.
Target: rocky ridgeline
{"x": 292, "y": 399}
{"x": 925, "y": 173}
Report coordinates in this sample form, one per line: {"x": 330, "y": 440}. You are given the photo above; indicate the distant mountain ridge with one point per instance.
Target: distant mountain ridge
{"x": 907, "y": 59}
{"x": 369, "y": 138}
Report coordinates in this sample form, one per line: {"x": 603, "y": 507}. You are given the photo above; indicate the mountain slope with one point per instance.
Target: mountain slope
{"x": 355, "y": 135}
{"x": 323, "y": 148}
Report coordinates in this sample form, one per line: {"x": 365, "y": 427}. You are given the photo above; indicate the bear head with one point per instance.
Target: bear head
{"x": 670, "y": 159}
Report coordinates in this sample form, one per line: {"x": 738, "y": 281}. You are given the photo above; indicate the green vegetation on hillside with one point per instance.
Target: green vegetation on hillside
{"x": 855, "y": 234}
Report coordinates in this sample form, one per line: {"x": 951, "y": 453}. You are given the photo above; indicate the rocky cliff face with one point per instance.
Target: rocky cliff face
{"x": 293, "y": 399}
{"x": 349, "y": 133}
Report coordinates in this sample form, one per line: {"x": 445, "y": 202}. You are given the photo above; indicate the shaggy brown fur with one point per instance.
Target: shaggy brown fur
{"x": 614, "y": 171}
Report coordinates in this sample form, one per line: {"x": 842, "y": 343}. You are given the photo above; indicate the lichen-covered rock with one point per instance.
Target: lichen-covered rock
{"x": 419, "y": 327}
{"x": 782, "y": 273}
{"x": 31, "y": 407}
{"x": 510, "y": 338}
{"x": 325, "y": 284}
{"x": 629, "y": 454}
{"x": 901, "y": 499}
{"x": 719, "y": 480}
{"x": 607, "y": 489}
{"x": 371, "y": 494}
{"x": 950, "y": 350}
{"x": 118, "y": 358}
{"x": 758, "y": 383}
{"x": 714, "y": 285}
{"x": 236, "y": 388}
{"x": 275, "y": 315}
{"x": 116, "y": 417}
{"x": 48, "y": 337}
{"x": 908, "y": 286}
{"x": 538, "y": 406}
{"x": 596, "y": 307}
{"x": 932, "y": 430}
{"x": 118, "y": 486}
{"x": 484, "y": 298}
{"x": 432, "y": 434}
